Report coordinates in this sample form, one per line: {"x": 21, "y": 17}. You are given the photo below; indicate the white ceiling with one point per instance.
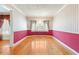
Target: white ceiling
{"x": 39, "y": 9}
{"x": 3, "y": 10}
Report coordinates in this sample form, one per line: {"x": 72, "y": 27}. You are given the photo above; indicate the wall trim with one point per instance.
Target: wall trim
{"x": 14, "y": 6}
{"x": 61, "y": 9}
{"x": 66, "y": 46}
{"x": 66, "y": 31}
{"x": 6, "y": 7}
{"x": 24, "y": 39}
{"x": 11, "y": 29}
{"x": 15, "y": 44}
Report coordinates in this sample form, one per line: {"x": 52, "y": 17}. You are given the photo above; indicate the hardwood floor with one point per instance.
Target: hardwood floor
{"x": 40, "y": 45}
{"x": 4, "y": 47}
{"x": 35, "y": 45}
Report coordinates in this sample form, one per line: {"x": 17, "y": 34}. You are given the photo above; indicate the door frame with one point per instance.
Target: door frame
{"x": 11, "y": 29}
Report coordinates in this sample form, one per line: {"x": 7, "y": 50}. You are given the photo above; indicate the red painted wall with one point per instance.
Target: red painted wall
{"x": 70, "y": 39}
{"x": 18, "y": 35}
{"x": 39, "y": 33}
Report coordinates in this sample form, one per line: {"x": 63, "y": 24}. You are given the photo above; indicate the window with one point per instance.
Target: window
{"x": 39, "y": 26}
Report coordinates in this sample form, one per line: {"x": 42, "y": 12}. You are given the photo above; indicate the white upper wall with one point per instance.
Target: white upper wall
{"x": 67, "y": 19}
{"x": 19, "y": 21}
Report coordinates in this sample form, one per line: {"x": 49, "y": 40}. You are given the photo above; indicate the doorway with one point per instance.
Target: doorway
{"x": 5, "y": 27}
{"x": 4, "y": 34}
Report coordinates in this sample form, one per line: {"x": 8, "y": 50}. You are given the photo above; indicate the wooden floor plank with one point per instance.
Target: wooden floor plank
{"x": 39, "y": 45}
{"x": 4, "y": 47}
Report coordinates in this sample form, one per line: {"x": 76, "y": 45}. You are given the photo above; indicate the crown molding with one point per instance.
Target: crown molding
{"x": 19, "y": 10}
{"x": 61, "y": 9}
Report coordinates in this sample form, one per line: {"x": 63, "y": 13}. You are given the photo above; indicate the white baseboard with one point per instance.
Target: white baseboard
{"x": 66, "y": 46}
{"x": 6, "y": 37}
{"x": 19, "y": 42}
{"x": 15, "y": 44}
